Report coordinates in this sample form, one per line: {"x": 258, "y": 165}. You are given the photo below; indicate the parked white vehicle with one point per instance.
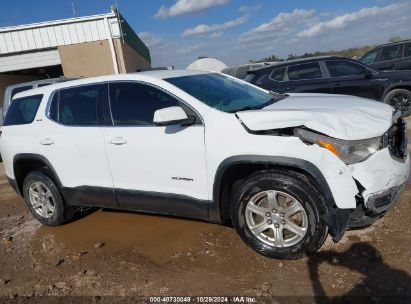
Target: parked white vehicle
{"x": 284, "y": 169}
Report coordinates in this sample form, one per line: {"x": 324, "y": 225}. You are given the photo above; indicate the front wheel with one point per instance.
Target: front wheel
{"x": 399, "y": 99}
{"x": 277, "y": 213}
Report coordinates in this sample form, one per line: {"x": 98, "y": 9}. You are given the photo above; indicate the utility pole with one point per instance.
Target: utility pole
{"x": 74, "y": 8}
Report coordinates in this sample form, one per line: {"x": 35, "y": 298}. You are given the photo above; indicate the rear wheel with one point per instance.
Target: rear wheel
{"x": 277, "y": 213}
{"x": 399, "y": 99}
{"x": 44, "y": 200}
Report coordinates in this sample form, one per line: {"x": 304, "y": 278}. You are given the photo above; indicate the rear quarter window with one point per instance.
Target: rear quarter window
{"x": 407, "y": 51}
{"x": 278, "y": 74}
{"x": 22, "y": 110}
{"x": 19, "y": 90}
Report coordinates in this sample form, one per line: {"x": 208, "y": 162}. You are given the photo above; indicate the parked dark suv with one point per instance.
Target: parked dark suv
{"x": 336, "y": 75}
{"x": 392, "y": 56}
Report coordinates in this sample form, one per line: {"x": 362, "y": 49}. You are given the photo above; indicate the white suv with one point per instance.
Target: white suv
{"x": 285, "y": 170}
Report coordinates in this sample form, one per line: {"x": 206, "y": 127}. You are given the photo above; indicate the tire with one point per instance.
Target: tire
{"x": 284, "y": 185}
{"x": 56, "y": 211}
{"x": 399, "y": 99}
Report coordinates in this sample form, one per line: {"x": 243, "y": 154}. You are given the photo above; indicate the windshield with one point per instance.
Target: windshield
{"x": 222, "y": 93}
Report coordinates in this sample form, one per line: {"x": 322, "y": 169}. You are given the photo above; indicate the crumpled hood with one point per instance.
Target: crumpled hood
{"x": 338, "y": 116}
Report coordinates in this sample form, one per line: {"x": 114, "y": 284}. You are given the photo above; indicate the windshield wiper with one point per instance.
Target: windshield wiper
{"x": 276, "y": 97}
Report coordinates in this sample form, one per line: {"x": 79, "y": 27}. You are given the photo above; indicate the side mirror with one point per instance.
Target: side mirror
{"x": 172, "y": 116}
{"x": 368, "y": 74}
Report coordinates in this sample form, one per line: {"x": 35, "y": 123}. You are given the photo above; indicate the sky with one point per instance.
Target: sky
{"x": 234, "y": 31}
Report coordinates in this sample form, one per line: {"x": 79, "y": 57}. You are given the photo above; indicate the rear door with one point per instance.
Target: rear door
{"x": 388, "y": 57}
{"x": 153, "y": 165}
{"x": 349, "y": 78}
{"x": 306, "y": 78}
{"x": 72, "y": 139}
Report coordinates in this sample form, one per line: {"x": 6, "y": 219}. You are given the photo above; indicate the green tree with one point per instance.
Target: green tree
{"x": 395, "y": 39}
{"x": 272, "y": 58}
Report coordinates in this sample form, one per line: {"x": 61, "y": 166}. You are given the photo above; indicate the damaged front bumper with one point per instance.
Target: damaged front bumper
{"x": 380, "y": 181}
{"x": 377, "y": 206}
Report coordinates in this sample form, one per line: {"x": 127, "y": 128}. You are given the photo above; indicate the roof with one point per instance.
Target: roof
{"x": 55, "y": 22}
{"x": 51, "y": 34}
{"x": 393, "y": 43}
{"x": 162, "y": 74}
{"x": 301, "y": 60}
{"x": 142, "y": 76}
{"x": 42, "y": 81}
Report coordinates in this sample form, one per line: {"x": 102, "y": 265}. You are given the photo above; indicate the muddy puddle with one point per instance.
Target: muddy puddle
{"x": 155, "y": 237}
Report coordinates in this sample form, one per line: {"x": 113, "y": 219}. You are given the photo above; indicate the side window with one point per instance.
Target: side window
{"x": 389, "y": 52}
{"x": 262, "y": 78}
{"x": 344, "y": 68}
{"x": 134, "y": 104}
{"x": 304, "y": 71}
{"x": 278, "y": 74}
{"x": 370, "y": 57}
{"x": 20, "y": 89}
{"x": 76, "y": 106}
{"x": 407, "y": 51}
{"x": 22, "y": 110}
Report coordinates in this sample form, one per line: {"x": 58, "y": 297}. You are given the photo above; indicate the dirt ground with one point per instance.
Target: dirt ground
{"x": 110, "y": 253}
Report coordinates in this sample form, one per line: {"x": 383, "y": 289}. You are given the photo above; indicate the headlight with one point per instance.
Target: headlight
{"x": 349, "y": 151}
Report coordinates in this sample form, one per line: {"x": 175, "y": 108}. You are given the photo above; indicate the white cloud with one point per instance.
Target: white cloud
{"x": 282, "y": 35}
{"x": 207, "y": 28}
{"x": 346, "y": 20}
{"x": 281, "y": 25}
{"x": 154, "y": 42}
{"x": 250, "y": 9}
{"x": 183, "y": 7}
{"x": 216, "y": 35}
{"x": 191, "y": 49}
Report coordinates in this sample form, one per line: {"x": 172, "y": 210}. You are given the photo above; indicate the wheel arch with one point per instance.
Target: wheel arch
{"x": 406, "y": 85}
{"x": 235, "y": 169}
{"x": 25, "y": 163}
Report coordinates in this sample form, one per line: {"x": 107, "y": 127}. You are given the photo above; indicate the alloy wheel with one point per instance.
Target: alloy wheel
{"x": 41, "y": 199}
{"x": 276, "y": 218}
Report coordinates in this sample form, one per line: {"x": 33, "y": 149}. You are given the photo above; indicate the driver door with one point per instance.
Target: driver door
{"x": 151, "y": 165}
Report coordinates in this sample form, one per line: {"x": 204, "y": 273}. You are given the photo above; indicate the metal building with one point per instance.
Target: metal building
{"x": 85, "y": 46}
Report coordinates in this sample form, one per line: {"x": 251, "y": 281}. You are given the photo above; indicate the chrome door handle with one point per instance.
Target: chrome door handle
{"x": 47, "y": 142}
{"x": 117, "y": 141}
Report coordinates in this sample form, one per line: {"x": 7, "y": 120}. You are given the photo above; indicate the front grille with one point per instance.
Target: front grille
{"x": 396, "y": 139}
